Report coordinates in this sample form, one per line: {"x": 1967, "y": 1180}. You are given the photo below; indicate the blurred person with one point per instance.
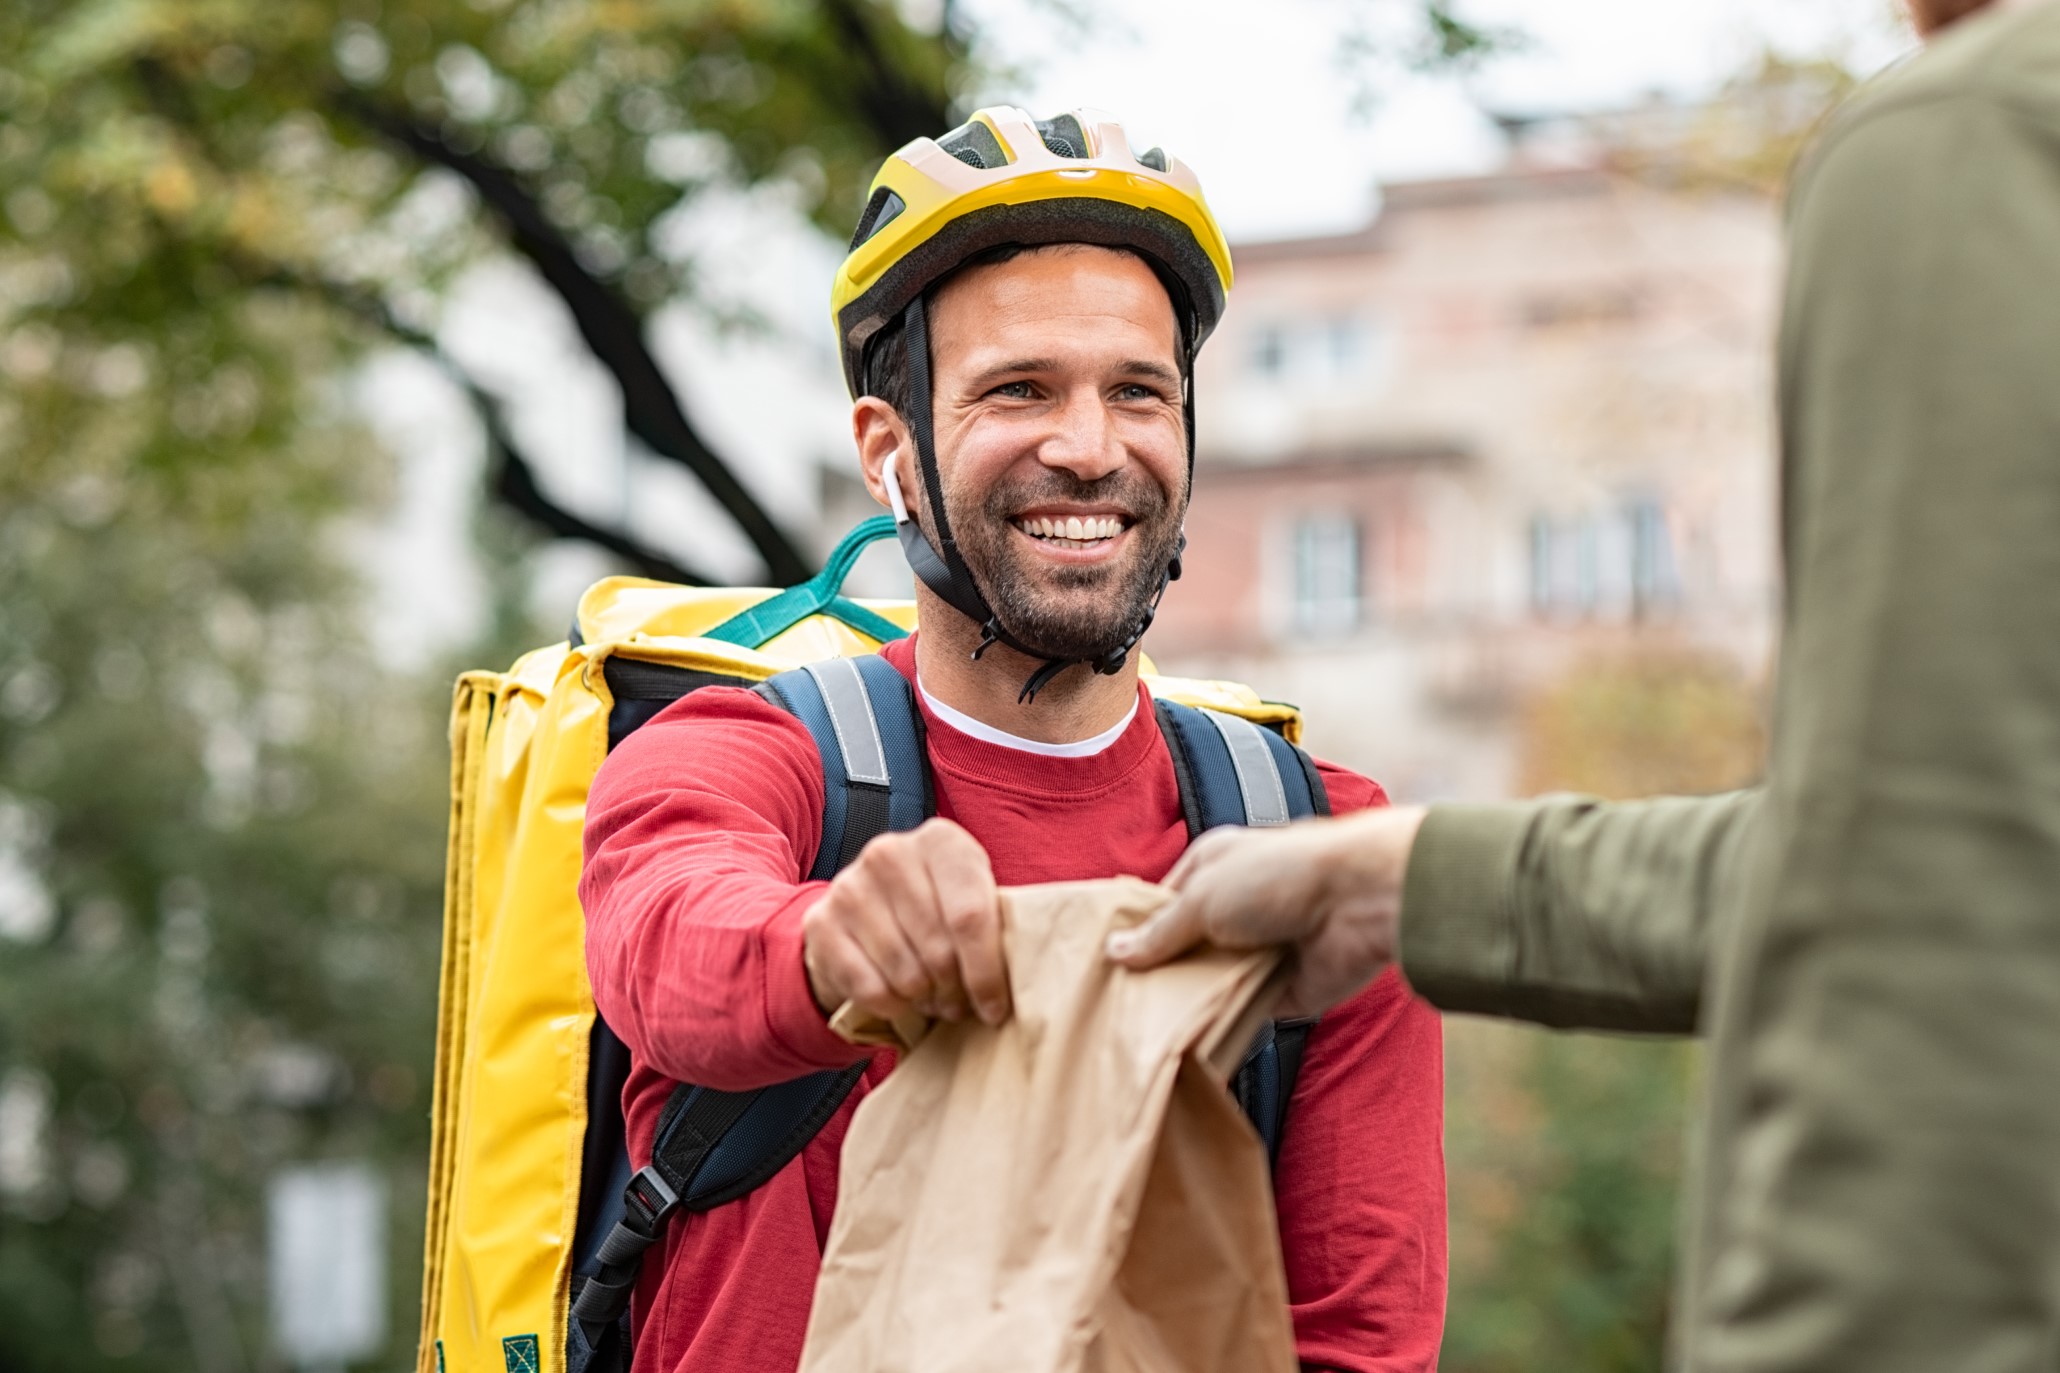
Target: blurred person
{"x": 1019, "y": 318}
{"x": 1871, "y": 940}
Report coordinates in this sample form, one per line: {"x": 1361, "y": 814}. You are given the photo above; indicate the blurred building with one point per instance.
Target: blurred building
{"x": 1517, "y": 419}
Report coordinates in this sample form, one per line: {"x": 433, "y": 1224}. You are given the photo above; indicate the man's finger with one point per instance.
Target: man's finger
{"x": 971, "y": 909}
{"x": 1178, "y": 927}
{"x": 919, "y": 908}
{"x": 976, "y": 929}
{"x": 973, "y": 915}
{"x": 861, "y": 982}
{"x": 871, "y": 924}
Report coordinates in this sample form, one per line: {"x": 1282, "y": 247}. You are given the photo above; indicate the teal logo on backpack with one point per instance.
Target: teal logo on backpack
{"x": 439, "y": 1356}
{"x": 519, "y": 1353}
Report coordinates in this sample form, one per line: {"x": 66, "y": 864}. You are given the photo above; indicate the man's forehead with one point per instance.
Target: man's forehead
{"x": 1059, "y": 284}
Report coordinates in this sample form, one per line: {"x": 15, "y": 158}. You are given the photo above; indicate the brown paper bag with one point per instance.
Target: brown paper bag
{"x": 1074, "y": 1192}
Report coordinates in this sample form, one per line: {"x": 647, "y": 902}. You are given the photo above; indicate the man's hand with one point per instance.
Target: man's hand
{"x": 913, "y": 924}
{"x": 1330, "y": 888}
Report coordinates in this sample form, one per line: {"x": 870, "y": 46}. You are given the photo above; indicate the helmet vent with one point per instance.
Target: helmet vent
{"x": 882, "y": 207}
{"x": 1063, "y": 136}
{"x": 1154, "y": 158}
{"x": 975, "y": 145}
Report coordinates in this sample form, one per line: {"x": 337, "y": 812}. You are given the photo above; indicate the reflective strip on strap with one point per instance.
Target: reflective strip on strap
{"x": 1258, "y": 780}
{"x": 865, "y": 759}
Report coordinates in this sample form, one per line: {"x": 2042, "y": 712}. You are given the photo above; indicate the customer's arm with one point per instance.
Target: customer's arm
{"x": 1572, "y": 912}
{"x": 1566, "y": 911}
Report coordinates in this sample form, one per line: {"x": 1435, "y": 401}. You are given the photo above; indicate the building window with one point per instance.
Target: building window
{"x": 1655, "y": 584}
{"x": 1566, "y": 571}
{"x": 1544, "y": 550}
{"x": 1328, "y": 597}
{"x": 1269, "y": 351}
{"x": 1606, "y": 566}
{"x": 1316, "y": 351}
{"x": 1347, "y": 337}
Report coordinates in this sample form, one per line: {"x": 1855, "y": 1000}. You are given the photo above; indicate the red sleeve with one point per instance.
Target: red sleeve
{"x": 699, "y": 829}
{"x": 1348, "y": 791}
{"x": 1361, "y": 1181}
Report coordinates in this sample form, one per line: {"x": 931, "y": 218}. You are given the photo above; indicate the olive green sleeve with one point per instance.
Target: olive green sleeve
{"x": 1572, "y": 912}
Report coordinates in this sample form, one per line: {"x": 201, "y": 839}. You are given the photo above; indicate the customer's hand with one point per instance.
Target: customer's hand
{"x": 913, "y": 924}
{"x": 1331, "y": 889}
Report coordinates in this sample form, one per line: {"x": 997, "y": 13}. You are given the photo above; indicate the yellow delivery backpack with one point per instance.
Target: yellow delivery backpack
{"x": 529, "y": 1181}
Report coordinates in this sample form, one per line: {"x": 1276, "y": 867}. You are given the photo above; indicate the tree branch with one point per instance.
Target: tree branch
{"x": 511, "y": 475}
{"x": 514, "y": 481}
{"x": 612, "y": 328}
{"x": 894, "y": 107}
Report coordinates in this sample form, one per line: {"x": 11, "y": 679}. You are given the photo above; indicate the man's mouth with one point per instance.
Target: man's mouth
{"x": 1072, "y": 531}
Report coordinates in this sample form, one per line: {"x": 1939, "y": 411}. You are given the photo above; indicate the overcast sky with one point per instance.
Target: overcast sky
{"x": 1255, "y": 97}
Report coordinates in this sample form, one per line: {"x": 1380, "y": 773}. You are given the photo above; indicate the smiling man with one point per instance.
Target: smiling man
{"x": 1019, "y": 317}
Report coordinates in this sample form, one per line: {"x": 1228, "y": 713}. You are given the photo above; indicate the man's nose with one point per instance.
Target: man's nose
{"x": 1083, "y": 438}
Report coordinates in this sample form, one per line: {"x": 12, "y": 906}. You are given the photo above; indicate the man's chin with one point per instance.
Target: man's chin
{"x": 1068, "y": 607}
{"x": 1067, "y": 622}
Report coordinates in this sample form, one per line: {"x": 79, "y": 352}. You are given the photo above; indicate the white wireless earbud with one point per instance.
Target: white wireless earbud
{"x": 890, "y": 476}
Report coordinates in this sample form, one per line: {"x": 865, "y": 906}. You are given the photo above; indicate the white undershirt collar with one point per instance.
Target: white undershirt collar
{"x": 988, "y": 734}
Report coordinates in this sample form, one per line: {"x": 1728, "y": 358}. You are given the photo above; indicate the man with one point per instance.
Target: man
{"x": 1019, "y": 317}
{"x": 1872, "y": 940}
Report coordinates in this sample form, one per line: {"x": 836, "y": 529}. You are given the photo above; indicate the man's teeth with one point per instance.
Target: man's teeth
{"x": 1073, "y": 528}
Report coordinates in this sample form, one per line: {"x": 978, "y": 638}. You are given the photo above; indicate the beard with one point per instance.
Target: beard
{"x": 1063, "y": 610}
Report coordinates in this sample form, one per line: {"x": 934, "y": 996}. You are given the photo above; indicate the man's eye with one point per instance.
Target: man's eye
{"x": 1013, "y": 390}
{"x": 1138, "y": 391}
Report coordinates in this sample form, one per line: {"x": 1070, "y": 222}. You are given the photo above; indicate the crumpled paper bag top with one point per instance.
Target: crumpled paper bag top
{"x": 1073, "y": 1191}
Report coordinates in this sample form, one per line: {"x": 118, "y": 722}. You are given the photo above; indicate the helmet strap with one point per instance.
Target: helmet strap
{"x": 939, "y": 565}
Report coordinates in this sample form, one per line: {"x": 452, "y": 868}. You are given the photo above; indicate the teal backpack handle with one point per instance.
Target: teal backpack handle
{"x": 780, "y": 612}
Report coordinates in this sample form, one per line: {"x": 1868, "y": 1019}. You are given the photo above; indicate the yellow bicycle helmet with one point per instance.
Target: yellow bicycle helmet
{"x": 1005, "y": 178}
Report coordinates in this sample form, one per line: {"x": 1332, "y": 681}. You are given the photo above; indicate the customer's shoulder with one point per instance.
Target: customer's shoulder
{"x": 2008, "y": 60}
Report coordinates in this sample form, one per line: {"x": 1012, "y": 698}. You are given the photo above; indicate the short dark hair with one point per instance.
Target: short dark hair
{"x": 1933, "y": 15}
{"x": 886, "y": 354}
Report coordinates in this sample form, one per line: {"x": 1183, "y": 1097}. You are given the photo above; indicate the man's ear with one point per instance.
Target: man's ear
{"x": 882, "y": 438}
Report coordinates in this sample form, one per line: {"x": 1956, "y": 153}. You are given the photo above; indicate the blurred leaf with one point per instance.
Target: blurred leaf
{"x": 1383, "y": 39}
{"x": 1646, "y": 723}
{"x": 1451, "y": 42}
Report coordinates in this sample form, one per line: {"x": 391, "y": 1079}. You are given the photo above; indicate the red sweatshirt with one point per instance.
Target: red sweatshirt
{"x": 699, "y": 828}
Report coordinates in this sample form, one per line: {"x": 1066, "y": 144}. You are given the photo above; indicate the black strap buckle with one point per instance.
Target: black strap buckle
{"x": 649, "y": 1200}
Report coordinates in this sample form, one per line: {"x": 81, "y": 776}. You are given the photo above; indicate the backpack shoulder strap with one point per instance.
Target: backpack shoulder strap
{"x": 713, "y": 1147}
{"x": 1233, "y": 772}
{"x": 876, "y": 773}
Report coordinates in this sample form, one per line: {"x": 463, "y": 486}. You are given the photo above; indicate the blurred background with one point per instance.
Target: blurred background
{"x": 343, "y": 341}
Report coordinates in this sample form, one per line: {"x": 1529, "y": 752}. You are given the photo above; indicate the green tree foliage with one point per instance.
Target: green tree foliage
{"x": 220, "y": 845}
{"x": 1565, "y": 1163}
